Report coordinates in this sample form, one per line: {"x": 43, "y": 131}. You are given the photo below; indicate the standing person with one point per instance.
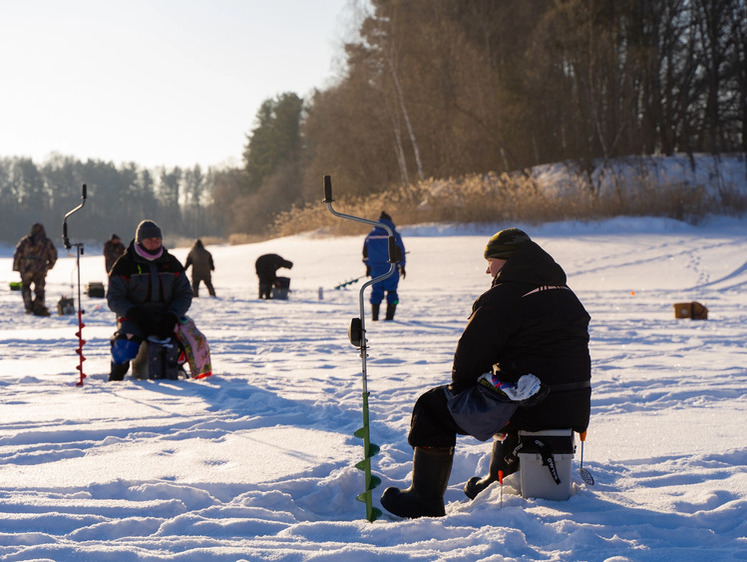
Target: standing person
{"x": 529, "y": 324}
{"x": 202, "y": 264}
{"x": 376, "y": 259}
{"x": 149, "y": 291}
{"x": 266, "y": 267}
{"x": 113, "y": 249}
{"x": 35, "y": 255}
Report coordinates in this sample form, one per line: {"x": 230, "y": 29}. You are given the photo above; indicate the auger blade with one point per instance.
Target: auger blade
{"x": 374, "y": 482}
{"x": 372, "y": 513}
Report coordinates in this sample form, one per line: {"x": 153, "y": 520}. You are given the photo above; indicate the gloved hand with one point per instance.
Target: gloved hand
{"x": 402, "y": 271}
{"x": 162, "y": 325}
{"x": 368, "y": 271}
{"x": 138, "y": 315}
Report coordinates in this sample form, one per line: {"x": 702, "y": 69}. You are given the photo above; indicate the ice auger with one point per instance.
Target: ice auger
{"x": 357, "y": 336}
{"x": 79, "y": 251}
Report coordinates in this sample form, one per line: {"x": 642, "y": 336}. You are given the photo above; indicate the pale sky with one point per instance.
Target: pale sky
{"x": 156, "y": 82}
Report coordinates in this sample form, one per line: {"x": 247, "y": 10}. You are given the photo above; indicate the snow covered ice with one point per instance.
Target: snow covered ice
{"x": 257, "y": 462}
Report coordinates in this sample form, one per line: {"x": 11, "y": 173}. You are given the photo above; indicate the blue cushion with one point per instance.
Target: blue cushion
{"x": 124, "y": 351}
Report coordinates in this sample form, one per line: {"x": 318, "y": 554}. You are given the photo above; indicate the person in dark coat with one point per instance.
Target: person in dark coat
{"x": 528, "y": 322}
{"x": 202, "y": 265}
{"x": 113, "y": 249}
{"x": 149, "y": 291}
{"x": 376, "y": 259}
{"x": 35, "y": 254}
{"x": 266, "y": 267}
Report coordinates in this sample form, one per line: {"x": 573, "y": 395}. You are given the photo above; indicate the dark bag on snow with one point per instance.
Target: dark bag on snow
{"x": 95, "y": 289}
{"x": 281, "y": 288}
{"x": 65, "y": 306}
{"x": 157, "y": 359}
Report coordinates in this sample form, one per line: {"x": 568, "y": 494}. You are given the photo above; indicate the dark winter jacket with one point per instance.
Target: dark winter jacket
{"x": 201, "y": 261}
{"x": 34, "y": 252}
{"x": 376, "y": 246}
{"x": 267, "y": 266}
{"x": 158, "y": 285}
{"x": 531, "y": 322}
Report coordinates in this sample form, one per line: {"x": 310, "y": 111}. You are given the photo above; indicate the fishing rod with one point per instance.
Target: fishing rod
{"x": 585, "y": 474}
{"x": 351, "y": 282}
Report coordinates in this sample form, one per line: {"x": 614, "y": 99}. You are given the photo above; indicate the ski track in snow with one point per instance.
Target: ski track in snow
{"x": 257, "y": 462}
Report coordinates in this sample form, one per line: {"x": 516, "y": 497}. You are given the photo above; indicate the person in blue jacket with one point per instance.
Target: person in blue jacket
{"x": 376, "y": 259}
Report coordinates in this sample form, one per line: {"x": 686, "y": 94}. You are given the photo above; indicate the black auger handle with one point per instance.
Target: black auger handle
{"x": 395, "y": 254}
{"x": 328, "y": 189}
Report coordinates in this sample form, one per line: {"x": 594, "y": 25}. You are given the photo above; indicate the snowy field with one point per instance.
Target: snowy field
{"x": 257, "y": 462}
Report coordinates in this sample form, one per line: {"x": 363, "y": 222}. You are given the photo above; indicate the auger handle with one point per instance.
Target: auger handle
{"x": 328, "y": 189}
{"x": 395, "y": 254}
{"x": 65, "y": 239}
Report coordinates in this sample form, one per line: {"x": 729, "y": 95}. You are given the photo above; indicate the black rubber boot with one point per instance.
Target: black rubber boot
{"x": 431, "y": 468}
{"x": 38, "y": 307}
{"x": 28, "y": 300}
{"x": 375, "y": 311}
{"x": 501, "y": 450}
{"x": 118, "y": 372}
{"x": 390, "y": 308}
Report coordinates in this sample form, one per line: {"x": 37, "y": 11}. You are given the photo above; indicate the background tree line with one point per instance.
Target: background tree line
{"x": 439, "y": 89}
{"x": 119, "y": 197}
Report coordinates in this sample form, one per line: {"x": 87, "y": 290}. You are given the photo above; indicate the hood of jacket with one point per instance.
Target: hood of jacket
{"x": 37, "y": 234}
{"x": 389, "y": 223}
{"x": 530, "y": 264}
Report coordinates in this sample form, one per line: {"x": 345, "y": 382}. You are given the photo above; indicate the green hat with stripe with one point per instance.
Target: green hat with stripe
{"x": 503, "y": 244}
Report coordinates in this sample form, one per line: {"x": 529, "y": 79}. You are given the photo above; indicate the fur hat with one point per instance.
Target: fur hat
{"x": 503, "y": 244}
{"x": 147, "y": 229}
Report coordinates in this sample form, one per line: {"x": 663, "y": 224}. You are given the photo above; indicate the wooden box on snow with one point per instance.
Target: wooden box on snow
{"x": 693, "y": 310}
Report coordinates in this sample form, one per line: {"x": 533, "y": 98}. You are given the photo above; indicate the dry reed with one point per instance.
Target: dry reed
{"x": 490, "y": 198}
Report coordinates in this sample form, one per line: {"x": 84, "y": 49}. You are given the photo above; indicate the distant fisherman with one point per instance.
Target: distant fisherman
{"x": 266, "y": 267}
{"x": 113, "y": 250}
{"x": 201, "y": 261}
{"x": 34, "y": 256}
{"x": 376, "y": 259}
